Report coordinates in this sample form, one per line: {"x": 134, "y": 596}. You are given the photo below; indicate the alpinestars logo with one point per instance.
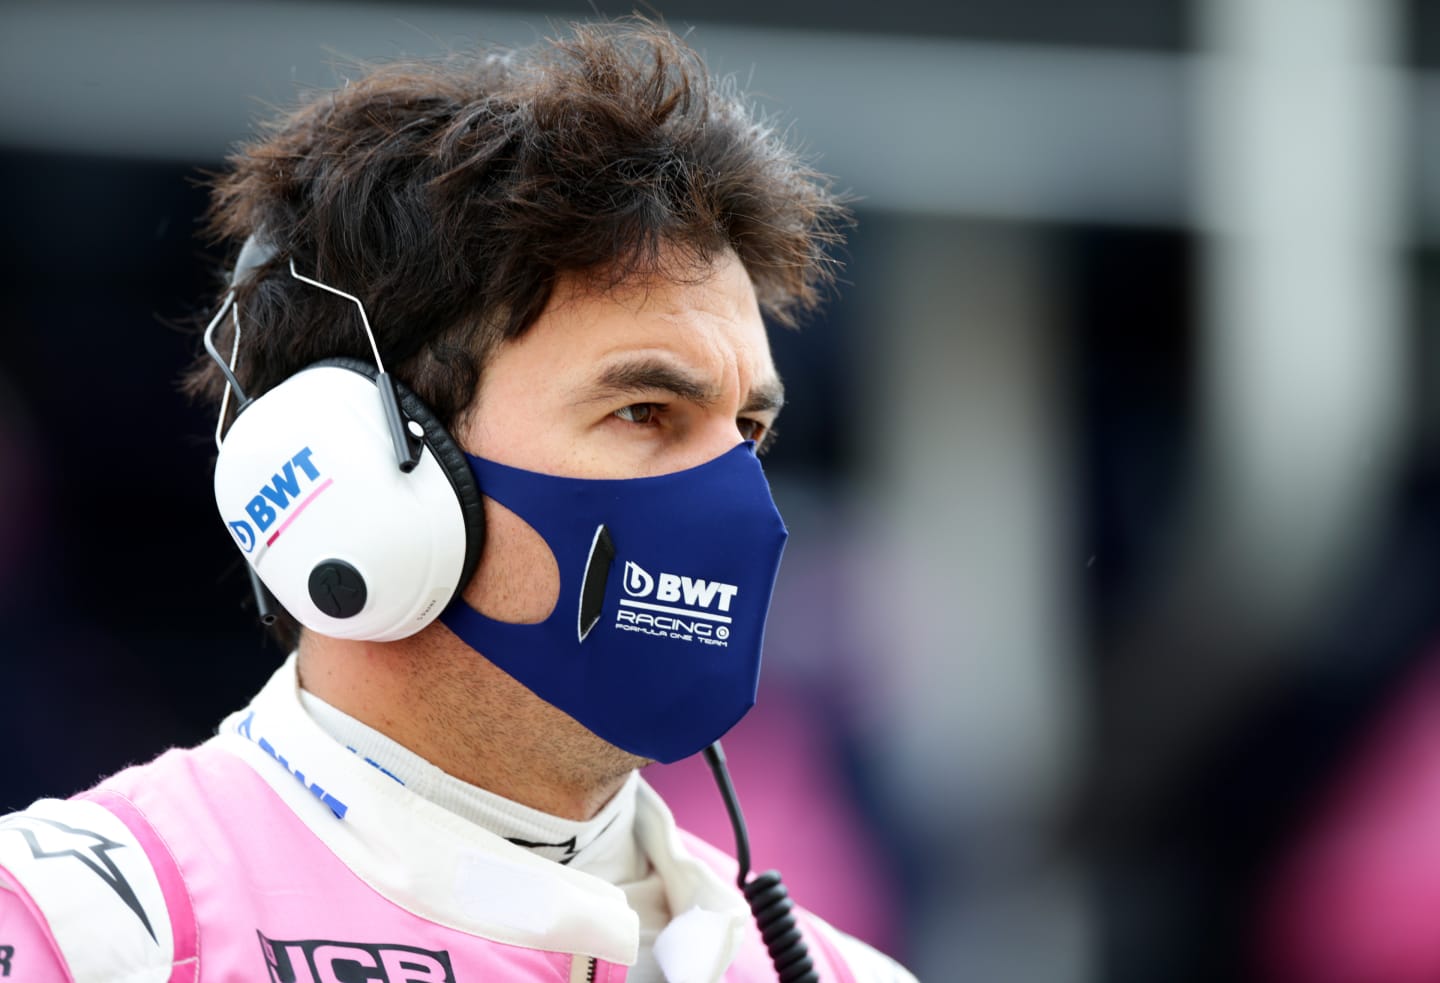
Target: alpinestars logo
{"x": 693, "y": 609}
{"x": 323, "y": 961}
{"x": 51, "y": 840}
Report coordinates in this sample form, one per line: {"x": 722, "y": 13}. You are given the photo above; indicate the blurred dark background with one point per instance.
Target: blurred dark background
{"x": 1112, "y": 471}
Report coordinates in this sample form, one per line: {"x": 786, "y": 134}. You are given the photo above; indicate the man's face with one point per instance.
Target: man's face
{"x": 629, "y": 382}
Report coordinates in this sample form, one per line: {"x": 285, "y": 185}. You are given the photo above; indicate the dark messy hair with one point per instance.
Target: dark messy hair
{"x": 451, "y": 194}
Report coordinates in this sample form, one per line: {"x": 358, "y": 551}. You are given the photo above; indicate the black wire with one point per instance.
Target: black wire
{"x": 715, "y": 758}
{"x": 769, "y": 901}
{"x": 264, "y": 600}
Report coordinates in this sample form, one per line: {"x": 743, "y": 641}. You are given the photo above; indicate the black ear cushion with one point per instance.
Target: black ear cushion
{"x": 447, "y": 452}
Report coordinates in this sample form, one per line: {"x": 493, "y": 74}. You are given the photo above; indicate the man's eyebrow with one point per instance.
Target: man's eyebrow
{"x": 645, "y": 374}
{"x": 648, "y": 374}
{"x": 766, "y": 397}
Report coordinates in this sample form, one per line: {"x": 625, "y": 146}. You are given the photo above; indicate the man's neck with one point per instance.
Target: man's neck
{"x": 456, "y": 710}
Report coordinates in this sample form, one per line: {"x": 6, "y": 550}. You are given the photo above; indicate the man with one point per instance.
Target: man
{"x": 563, "y": 255}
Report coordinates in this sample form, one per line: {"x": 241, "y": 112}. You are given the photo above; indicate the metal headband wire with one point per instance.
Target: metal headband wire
{"x": 407, "y": 449}
{"x": 365, "y": 320}
{"x": 231, "y": 382}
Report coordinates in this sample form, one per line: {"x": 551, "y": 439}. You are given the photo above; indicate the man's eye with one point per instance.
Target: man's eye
{"x": 639, "y": 412}
{"x": 755, "y": 430}
{"x": 750, "y": 429}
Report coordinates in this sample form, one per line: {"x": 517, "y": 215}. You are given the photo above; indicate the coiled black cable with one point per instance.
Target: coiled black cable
{"x": 769, "y": 901}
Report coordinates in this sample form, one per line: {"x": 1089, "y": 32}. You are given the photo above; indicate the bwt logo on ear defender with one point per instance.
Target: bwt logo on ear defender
{"x": 278, "y": 497}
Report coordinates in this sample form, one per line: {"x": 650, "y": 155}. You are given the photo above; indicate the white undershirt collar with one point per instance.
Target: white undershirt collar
{"x": 605, "y": 845}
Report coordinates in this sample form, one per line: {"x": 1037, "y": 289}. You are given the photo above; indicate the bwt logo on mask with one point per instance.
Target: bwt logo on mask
{"x": 691, "y": 612}
{"x": 674, "y": 589}
{"x": 278, "y": 497}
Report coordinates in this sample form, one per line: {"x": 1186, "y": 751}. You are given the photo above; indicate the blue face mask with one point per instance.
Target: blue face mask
{"x": 665, "y": 583}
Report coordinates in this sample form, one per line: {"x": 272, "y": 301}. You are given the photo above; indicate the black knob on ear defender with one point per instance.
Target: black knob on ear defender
{"x": 337, "y": 588}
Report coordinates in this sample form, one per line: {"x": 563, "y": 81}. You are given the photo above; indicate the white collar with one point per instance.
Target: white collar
{"x": 604, "y": 845}
{"x": 450, "y": 871}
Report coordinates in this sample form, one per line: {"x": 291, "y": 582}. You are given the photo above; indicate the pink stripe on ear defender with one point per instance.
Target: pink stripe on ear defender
{"x": 298, "y": 509}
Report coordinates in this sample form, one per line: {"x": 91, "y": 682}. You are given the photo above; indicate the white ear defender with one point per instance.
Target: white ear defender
{"x": 345, "y": 494}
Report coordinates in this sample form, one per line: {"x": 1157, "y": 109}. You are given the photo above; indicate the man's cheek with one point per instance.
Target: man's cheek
{"x": 518, "y": 579}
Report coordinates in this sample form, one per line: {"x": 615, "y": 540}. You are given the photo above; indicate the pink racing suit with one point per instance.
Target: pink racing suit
{"x": 271, "y": 852}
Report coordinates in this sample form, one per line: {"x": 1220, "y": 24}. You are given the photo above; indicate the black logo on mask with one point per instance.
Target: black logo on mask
{"x": 592, "y": 587}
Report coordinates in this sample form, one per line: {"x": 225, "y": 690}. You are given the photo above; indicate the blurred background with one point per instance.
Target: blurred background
{"x": 1106, "y": 647}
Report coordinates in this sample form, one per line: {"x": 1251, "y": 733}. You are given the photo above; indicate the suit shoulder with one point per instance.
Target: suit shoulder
{"x": 85, "y": 875}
